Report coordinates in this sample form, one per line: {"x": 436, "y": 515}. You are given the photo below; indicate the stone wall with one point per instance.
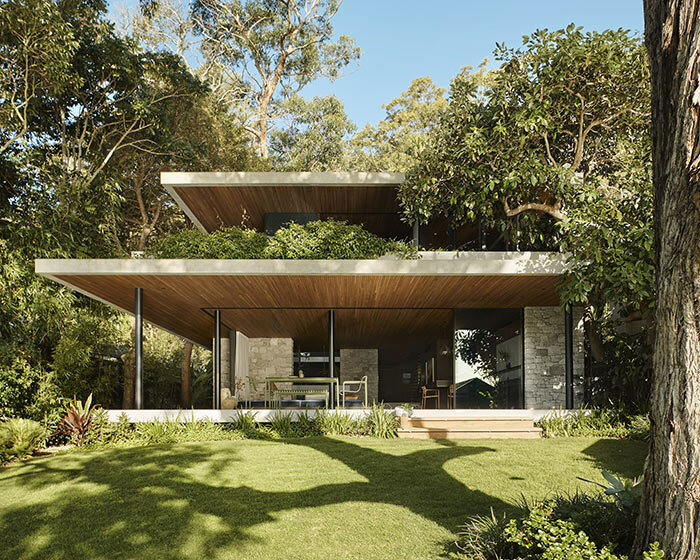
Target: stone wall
{"x": 269, "y": 357}
{"x": 358, "y": 362}
{"x": 545, "y": 369}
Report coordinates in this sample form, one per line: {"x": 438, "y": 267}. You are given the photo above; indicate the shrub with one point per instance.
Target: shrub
{"x": 591, "y": 526}
{"x": 338, "y": 424}
{"x": 331, "y": 239}
{"x": 382, "y": 423}
{"x": 20, "y": 437}
{"x": 283, "y": 425}
{"x": 224, "y": 243}
{"x": 79, "y": 420}
{"x": 595, "y": 422}
{"x": 326, "y": 239}
{"x": 19, "y": 383}
{"x": 639, "y": 427}
{"x": 541, "y": 535}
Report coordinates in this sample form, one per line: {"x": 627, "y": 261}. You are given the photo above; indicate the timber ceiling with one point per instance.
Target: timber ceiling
{"x": 217, "y": 206}
{"x": 178, "y": 302}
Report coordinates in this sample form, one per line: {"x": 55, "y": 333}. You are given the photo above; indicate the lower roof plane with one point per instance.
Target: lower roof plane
{"x": 285, "y": 298}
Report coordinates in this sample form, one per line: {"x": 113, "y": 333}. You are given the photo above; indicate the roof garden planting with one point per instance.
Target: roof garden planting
{"x": 328, "y": 239}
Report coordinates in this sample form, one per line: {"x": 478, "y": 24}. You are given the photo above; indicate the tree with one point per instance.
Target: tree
{"x": 670, "y": 507}
{"x": 37, "y": 46}
{"x": 396, "y": 140}
{"x": 548, "y": 141}
{"x": 262, "y": 53}
{"x": 93, "y": 105}
{"x": 315, "y": 139}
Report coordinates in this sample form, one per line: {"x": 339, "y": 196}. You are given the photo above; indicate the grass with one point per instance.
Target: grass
{"x": 317, "y": 497}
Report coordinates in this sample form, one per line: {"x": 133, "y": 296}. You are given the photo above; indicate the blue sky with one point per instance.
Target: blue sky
{"x": 404, "y": 39}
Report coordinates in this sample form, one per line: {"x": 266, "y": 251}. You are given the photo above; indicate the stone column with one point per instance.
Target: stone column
{"x": 545, "y": 371}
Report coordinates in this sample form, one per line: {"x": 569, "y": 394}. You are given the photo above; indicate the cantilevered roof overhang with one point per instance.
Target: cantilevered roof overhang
{"x": 212, "y": 200}
{"x": 289, "y": 298}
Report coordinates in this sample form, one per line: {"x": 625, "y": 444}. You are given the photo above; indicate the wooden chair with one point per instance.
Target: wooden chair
{"x": 430, "y": 394}
{"x": 451, "y": 396}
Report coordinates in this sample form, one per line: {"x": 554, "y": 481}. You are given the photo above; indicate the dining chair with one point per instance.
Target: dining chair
{"x": 354, "y": 393}
{"x": 451, "y": 396}
{"x": 428, "y": 394}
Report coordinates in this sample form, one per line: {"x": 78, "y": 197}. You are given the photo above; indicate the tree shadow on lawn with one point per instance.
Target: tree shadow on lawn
{"x": 143, "y": 502}
{"x": 623, "y": 457}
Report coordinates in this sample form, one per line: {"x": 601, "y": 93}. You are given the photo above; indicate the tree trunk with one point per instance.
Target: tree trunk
{"x": 129, "y": 361}
{"x": 670, "y": 507}
{"x": 262, "y": 127}
{"x": 595, "y": 340}
{"x": 186, "y": 376}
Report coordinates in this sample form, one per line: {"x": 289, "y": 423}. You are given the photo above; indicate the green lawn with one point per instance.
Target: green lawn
{"x": 309, "y": 498}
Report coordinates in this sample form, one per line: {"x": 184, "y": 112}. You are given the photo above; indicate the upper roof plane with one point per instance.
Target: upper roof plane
{"x": 212, "y": 200}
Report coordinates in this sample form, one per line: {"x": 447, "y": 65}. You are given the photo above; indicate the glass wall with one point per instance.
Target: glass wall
{"x": 488, "y": 358}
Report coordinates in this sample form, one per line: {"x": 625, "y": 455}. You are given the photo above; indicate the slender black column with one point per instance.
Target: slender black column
{"x": 569, "y": 357}
{"x": 216, "y": 362}
{"x": 331, "y": 343}
{"x": 138, "y": 348}
{"x": 331, "y": 352}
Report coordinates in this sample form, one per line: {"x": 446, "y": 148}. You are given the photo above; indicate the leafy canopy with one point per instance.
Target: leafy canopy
{"x": 551, "y": 146}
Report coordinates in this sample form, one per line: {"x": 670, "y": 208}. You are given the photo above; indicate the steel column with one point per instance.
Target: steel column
{"x": 138, "y": 348}
{"x": 216, "y": 362}
{"x": 331, "y": 352}
{"x": 331, "y": 343}
{"x": 569, "y": 357}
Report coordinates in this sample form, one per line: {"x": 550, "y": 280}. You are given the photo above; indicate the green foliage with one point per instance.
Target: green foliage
{"x": 483, "y": 538}
{"x": 78, "y": 420}
{"x": 245, "y": 422}
{"x": 574, "y": 526}
{"x": 264, "y": 53}
{"x": 552, "y": 149}
{"x": 70, "y": 161}
{"x": 224, "y": 243}
{"x": 627, "y": 492}
{"x": 382, "y": 423}
{"x": 338, "y": 424}
{"x": 327, "y": 239}
{"x": 330, "y": 239}
{"x": 19, "y": 383}
{"x": 394, "y": 144}
{"x": 86, "y": 357}
{"x": 594, "y": 422}
{"x": 315, "y": 138}
{"x": 623, "y": 379}
{"x": 283, "y": 425}
{"x": 20, "y": 437}
{"x": 540, "y": 536}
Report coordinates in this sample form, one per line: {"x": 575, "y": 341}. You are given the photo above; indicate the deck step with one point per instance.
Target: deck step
{"x": 474, "y": 423}
{"x": 469, "y": 433}
{"x": 468, "y": 427}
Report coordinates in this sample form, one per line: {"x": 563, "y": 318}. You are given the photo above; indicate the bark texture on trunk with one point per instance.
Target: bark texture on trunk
{"x": 186, "y": 376}
{"x": 670, "y": 508}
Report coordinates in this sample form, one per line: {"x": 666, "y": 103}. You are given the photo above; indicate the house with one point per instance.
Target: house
{"x": 444, "y": 319}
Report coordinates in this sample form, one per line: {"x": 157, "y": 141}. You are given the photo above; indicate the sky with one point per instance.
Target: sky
{"x": 405, "y": 39}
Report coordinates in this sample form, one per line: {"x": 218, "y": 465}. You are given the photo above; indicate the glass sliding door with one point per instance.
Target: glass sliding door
{"x": 488, "y": 352}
